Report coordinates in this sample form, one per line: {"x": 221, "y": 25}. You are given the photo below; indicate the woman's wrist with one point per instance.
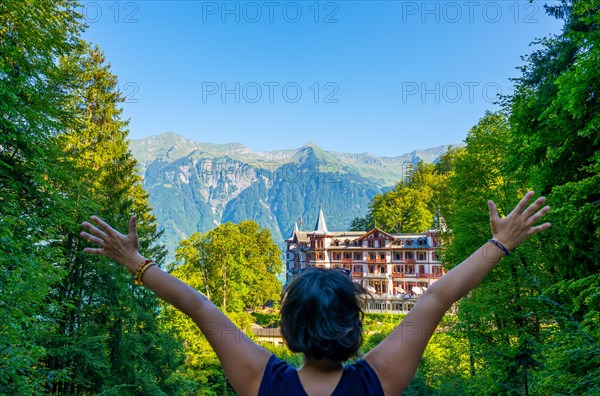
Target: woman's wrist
{"x": 134, "y": 262}
{"x": 503, "y": 246}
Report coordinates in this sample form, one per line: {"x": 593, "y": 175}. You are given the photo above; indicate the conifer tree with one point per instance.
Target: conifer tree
{"x": 106, "y": 324}
{"x": 33, "y": 95}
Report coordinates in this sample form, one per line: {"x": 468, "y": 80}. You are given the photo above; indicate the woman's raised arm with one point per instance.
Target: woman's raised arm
{"x": 243, "y": 361}
{"x": 397, "y": 357}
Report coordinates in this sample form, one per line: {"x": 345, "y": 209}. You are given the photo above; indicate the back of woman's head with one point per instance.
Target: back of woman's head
{"x": 321, "y": 315}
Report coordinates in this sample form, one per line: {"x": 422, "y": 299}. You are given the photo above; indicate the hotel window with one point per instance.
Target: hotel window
{"x": 357, "y": 256}
{"x": 436, "y": 256}
{"x": 371, "y": 244}
{"x": 381, "y": 256}
{"x": 336, "y": 256}
{"x": 371, "y": 256}
{"x": 409, "y": 255}
{"x": 398, "y": 256}
{"x": 421, "y": 256}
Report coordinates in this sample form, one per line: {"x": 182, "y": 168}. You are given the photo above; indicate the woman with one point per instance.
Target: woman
{"x": 324, "y": 323}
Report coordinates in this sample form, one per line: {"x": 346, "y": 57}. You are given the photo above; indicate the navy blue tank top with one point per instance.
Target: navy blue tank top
{"x": 280, "y": 378}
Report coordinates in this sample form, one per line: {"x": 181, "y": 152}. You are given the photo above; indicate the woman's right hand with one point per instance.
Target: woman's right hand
{"x": 519, "y": 225}
{"x": 123, "y": 249}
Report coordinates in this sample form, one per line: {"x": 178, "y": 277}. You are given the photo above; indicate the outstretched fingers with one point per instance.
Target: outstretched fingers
{"x": 494, "y": 216}
{"x": 93, "y": 230}
{"x": 541, "y": 227}
{"x": 94, "y": 251}
{"x": 104, "y": 225}
{"x": 522, "y": 205}
{"x": 111, "y": 243}
{"x": 93, "y": 239}
{"x": 133, "y": 226}
{"x": 533, "y": 208}
{"x": 539, "y": 214}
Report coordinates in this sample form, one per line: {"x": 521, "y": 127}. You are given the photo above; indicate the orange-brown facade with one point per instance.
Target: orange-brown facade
{"x": 390, "y": 266}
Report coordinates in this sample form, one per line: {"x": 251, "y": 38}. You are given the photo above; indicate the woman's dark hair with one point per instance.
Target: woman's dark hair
{"x": 321, "y": 315}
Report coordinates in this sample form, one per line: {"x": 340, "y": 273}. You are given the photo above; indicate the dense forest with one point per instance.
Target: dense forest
{"x": 72, "y": 324}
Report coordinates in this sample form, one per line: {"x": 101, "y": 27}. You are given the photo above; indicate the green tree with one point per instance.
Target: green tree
{"x": 499, "y": 321}
{"x": 555, "y": 123}
{"x": 33, "y": 95}
{"x": 363, "y": 223}
{"x": 104, "y": 323}
{"x": 235, "y": 265}
{"x": 412, "y": 206}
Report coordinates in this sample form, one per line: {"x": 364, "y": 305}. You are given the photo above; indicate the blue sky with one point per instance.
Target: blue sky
{"x": 384, "y": 77}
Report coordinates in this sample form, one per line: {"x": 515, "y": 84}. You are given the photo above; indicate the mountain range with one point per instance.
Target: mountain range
{"x": 197, "y": 186}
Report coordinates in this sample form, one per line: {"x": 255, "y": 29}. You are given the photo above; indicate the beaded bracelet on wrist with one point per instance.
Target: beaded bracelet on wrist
{"x": 140, "y": 279}
{"x": 140, "y": 271}
{"x": 139, "y": 268}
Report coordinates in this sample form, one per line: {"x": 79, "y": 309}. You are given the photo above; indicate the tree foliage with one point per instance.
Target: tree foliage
{"x": 413, "y": 205}
{"x": 235, "y": 265}
{"x": 69, "y": 324}
{"x": 555, "y": 147}
{"x": 33, "y": 92}
{"x": 98, "y": 308}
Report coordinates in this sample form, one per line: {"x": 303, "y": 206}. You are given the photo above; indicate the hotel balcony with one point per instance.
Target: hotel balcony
{"x": 421, "y": 275}
{"x": 377, "y": 275}
{"x": 347, "y": 261}
{"x": 357, "y": 275}
{"x": 376, "y": 261}
{"x": 409, "y": 261}
{"x": 397, "y": 275}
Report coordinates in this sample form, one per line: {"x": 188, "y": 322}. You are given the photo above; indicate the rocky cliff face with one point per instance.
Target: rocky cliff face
{"x": 195, "y": 186}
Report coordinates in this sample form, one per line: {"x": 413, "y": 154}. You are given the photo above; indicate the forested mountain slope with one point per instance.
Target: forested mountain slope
{"x": 196, "y": 186}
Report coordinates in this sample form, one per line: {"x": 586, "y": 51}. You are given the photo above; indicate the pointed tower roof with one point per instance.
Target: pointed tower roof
{"x": 298, "y": 236}
{"x": 321, "y": 227}
{"x": 295, "y": 229}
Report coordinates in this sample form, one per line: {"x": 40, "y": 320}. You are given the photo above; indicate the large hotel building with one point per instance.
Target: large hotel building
{"x": 394, "y": 268}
